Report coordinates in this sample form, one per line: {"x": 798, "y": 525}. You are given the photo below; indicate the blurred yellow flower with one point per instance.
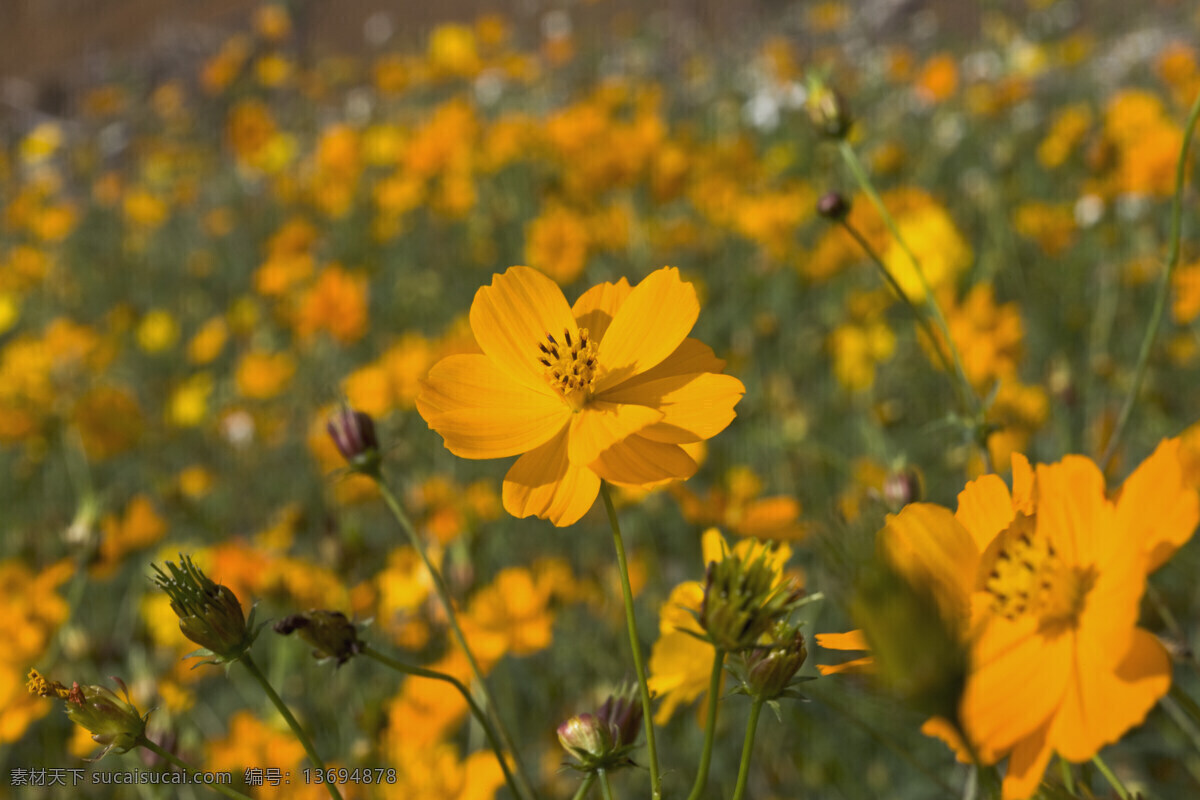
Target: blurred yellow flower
{"x": 940, "y": 249}
{"x": 337, "y": 304}
{"x": 188, "y": 404}
{"x": 137, "y": 528}
{"x": 208, "y": 342}
{"x": 556, "y": 242}
{"x": 158, "y": 331}
{"x": 608, "y": 389}
{"x": 261, "y": 375}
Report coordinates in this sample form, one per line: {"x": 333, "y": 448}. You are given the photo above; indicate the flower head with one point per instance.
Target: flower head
{"x": 113, "y": 722}
{"x": 329, "y": 632}
{"x": 606, "y": 389}
{"x": 209, "y": 613}
{"x": 603, "y": 740}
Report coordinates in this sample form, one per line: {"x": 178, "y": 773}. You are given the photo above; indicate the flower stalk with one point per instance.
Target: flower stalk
{"x": 710, "y": 724}
{"x": 171, "y": 758}
{"x": 631, "y": 623}
{"x": 748, "y": 748}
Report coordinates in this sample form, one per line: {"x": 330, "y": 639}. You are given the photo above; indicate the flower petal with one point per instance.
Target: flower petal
{"x": 690, "y": 357}
{"x": 850, "y": 640}
{"x": 985, "y": 508}
{"x": 511, "y": 318}
{"x": 1023, "y": 486}
{"x": 1027, "y": 765}
{"x": 929, "y": 547}
{"x": 1156, "y": 508}
{"x": 1017, "y": 681}
{"x": 481, "y": 412}
{"x": 1070, "y": 502}
{"x": 544, "y": 483}
{"x": 695, "y": 407}
{"x": 865, "y": 664}
{"x": 1102, "y": 704}
{"x": 598, "y": 426}
{"x": 596, "y": 307}
{"x": 638, "y": 461}
{"x": 649, "y": 325}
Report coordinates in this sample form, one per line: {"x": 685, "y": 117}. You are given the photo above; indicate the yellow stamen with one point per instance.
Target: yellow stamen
{"x": 1025, "y": 576}
{"x": 569, "y": 365}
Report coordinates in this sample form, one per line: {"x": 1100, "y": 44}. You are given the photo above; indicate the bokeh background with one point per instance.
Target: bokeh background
{"x": 219, "y": 219}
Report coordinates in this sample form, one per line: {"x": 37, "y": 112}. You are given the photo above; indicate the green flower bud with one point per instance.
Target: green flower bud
{"x": 827, "y": 109}
{"x": 603, "y": 740}
{"x": 585, "y": 737}
{"x": 329, "y": 632}
{"x": 113, "y": 722}
{"x": 771, "y": 667}
{"x": 209, "y": 613}
{"x": 743, "y": 599}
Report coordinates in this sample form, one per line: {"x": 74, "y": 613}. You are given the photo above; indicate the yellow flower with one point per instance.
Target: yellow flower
{"x": 158, "y": 331}
{"x": 608, "y": 389}
{"x": 263, "y": 375}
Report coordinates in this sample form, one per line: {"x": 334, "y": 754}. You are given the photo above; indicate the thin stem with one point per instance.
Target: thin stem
{"x": 710, "y": 724}
{"x": 170, "y": 757}
{"x": 476, "y": 711}
{"x": 1186, "y": 702}
{"x": 631, "y": 624}
{"x": 301, "y": 736}
{"x": 921, "y": 319}
{"x": 588, "y": 780}
{"x": 1164, "y": 612}
{"x": 443, "y": 593}
{"x": 1164, "y": 287}
{"x": 1188, "y": 726}
{"x": 1068, "y": 779}
{"x": 605, "y": 788}
{"x": 1112, "y": 779}
{"x": 747, "y": 748}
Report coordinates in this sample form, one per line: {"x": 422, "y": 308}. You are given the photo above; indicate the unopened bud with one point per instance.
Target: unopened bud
{"x": 209, "y": 613}
{"x": 833, "y": 206}
{"x": 585, "y": 737}
{"x": 744, "y": 596}
{"x": 902, "y": 487}
{"x": 353, "y": 433}
{"x": 329, "y": 632}
{"x": 827, "y": 109}
{"x": 771, "y": 667}
{"x": 113, "y": 722}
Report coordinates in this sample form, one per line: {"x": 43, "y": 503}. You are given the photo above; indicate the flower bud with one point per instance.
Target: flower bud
{"x": 585, "y": 737}
{"x": 113, "y": 722}
{"x": 771, "y": 667}
{"x": 833, "y": 206}
{"x": 827, "y": 109}
{"x": 209, "y": 613}
{"x": 744, "y": 598}
{"x": 622, "y": 712}
{"x": 353, "y": 433}
{"x": 329, "y": 632}
{"x": 603, "y": 740}
{"x": 902, "y": 487}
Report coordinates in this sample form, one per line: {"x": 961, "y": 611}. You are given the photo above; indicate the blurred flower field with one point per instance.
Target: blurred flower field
{"x": 876, "y": 337}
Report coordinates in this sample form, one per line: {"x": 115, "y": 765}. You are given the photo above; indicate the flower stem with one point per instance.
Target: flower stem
{"x": 747, "y": 748}
{"x": 1164, "y": 287}
{"x": 970, "y": 401}
{"x": 710, "y": 724}
{"x": 1112, "y": 779}
{"x": 582, "y": 791}
{"x": 631, "y": 623}
{"x": 301, "y": 736}
{"x": 1065, "y": 769}
{"x": 170, "y": 757}
{"x": 476, "y": 711}
{"x": 1186, "y": 723}
{"x": 443, "y": 594}
{"x": 605, "y": 788}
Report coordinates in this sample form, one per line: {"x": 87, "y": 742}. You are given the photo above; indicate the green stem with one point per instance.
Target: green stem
{"x": 301, "y": 736}
{"x": 970, "y": 401}
{"x": 1164, "y": 287}
{"x": 605, "y": 788}
{"x": 1188, "y": 726}
{"x": 171, "y": 758}
{"x": 921, "y": 319}
{"x": 588, "y": 780}
{"x": 443, "y": 593}
{"x": 631, "y": 624}
{"x": 476, "y": 711}
{"x": 1068, "y": 779}
{"x": 710, "y": 724}
{"x": 1185, "y": 702}
{"x": 1112, "y": 779}
{"x": 747, "y": 748}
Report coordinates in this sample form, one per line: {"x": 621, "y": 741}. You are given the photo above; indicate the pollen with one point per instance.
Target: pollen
{"x": 569, "y": 364}
{"x": 1026, "y": 576}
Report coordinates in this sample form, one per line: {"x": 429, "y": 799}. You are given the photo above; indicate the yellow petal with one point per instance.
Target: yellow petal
{"x": 1026, "y": 765}
{"x": 511, "y": 318}
{"x": 596, "y": 307}
{"x": 713, "y": 546}
{"x": 649, "y": 325}
{"x": 598, "y": 426}
{"x": 545, "y": 484}
{"x": 865, "y": 664}
{"x": 1156, "y": 508}
{"x": 1017, "y": 682}
{"x": 638, "y": 461}
{"x": 695, "y": 407}
{"x": 690, "y": 357}
{"x": 481, "y": 412}
{"x": 1070, "y": 509}
{"x": 928, "y": 547}
{"x": 680, "y": 668}
{"x": 1102, "y": 704}
{"x": 850, "y": 640}
{"x": 1023, "y": 486}
{"x": 985, "y": 508}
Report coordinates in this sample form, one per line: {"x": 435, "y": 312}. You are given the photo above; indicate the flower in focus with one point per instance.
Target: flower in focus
{"x": 113, "y": 722}
{"x": 607, "y": 389}
{"x": 209, "y": 613}
{"x": 603, "y": 740}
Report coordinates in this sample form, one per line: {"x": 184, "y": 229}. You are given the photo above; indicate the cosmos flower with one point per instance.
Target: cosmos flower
{"x": 606, "y": 389}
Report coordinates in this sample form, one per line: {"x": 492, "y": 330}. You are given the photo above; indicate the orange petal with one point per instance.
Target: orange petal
{"x": 596, "y": 307}
{"x": 690, "y": 357}
{"x": 775, "y": 518}
{"x": 941, "y": 728}
{"x": 866, "y": 664}
{"x": 1017, "y": 681}
{"x": 544, "y": 483}
{"x": 985, "y": 508}
{"x": 649, "y": 325}
{"x": 1070, "y": 509}
{"x": 1156, "y": 508}
{"x": 511, "y": 318}
{"x": 713, "y": 546}
{"x": 695, "y": 407}
{"x": 1023, "y": 487}
{"x": 598, "y": 426}
{"x": 481, "y": 412}
{"x": 928, "y": 546}
{"x": 1026, "y": 765}
{"x": 638, "y": 461}
{"x": 1102, "y": 704}
{"x": 850, "y": 640}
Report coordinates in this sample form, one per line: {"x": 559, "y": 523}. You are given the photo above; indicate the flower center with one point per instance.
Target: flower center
{"x": 1028, "y": 577}
{"x": 569, "y": 365}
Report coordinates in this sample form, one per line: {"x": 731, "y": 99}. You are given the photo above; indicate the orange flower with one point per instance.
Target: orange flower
{"x": 609, "y": 388}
